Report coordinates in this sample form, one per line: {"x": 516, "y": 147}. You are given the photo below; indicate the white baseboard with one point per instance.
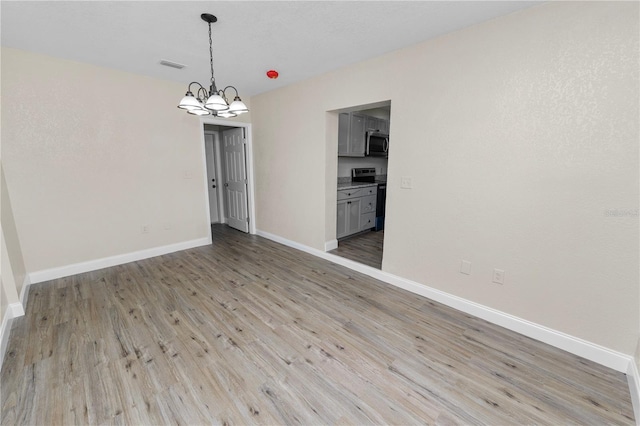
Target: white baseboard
{"x": 634, "y": 387}
{"x": 14, "y": 310}
{"x": 591, "y": 351}
{"x": 331, "y": 245}
{"x": 92, "y": 265}
{"x": 24, "y": 291}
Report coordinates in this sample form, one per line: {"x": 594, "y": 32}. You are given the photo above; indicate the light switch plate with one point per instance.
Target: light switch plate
{"x": 498, "y": 276}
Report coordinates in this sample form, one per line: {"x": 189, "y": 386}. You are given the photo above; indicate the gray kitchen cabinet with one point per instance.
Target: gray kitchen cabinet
{"x": 343, "y": 134}
{"x": 371, "y": 123}
{"x": 342, "y": 222}
{"x": 347, "y": 194}
{"x": 383, "y": 126}
{"x": 370, "y": 190}
{"x": 351, "y": 135}
{"x": 356, "y": 210}
{"x": 367, "y": 221}
{"x": 348, "y": 217}
{"x": 377, "y": 124}
{"x": 369, "y": 204}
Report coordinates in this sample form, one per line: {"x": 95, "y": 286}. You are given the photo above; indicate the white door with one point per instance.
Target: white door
{"x": 235, "y": 185}
{"x": 210, "y": 151}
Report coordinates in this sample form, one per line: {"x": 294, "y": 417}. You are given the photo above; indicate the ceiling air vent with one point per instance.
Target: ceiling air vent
{"x": 171, "y": 64}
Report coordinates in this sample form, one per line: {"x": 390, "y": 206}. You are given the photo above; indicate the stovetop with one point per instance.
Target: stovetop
{"x": 363, "y": 174}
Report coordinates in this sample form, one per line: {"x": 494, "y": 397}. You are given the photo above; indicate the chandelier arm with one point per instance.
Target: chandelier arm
{"x": 195, "y": 82}
{"x": 223, "y": 95}
{"x": 225, "y": 89}
{"x": 202, "y": 89}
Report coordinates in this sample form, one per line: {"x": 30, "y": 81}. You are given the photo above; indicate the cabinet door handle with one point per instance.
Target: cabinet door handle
{"x": 213, "y": 186}
{"x": 348, "y": 193}
{"x": 348, "y": 202}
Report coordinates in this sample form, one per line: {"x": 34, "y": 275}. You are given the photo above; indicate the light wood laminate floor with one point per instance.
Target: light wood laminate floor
{"x": 363, "y": 248}
{"x": 247, "y": 331}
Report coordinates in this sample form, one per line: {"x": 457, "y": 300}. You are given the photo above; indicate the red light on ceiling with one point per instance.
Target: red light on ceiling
{"x": 273, "y": 74}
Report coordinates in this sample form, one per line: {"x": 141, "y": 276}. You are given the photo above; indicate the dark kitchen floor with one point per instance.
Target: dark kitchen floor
{"x": 362, "y": 248}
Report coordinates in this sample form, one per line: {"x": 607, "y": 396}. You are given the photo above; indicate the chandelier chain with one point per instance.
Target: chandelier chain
{"x": 213, "y": 80}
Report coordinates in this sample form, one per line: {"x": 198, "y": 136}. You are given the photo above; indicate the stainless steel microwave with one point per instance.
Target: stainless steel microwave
{"x": 377, "y": 144}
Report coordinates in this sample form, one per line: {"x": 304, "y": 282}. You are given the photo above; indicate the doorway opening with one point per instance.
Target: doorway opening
{"x": 363, "y": 136}
{"x": 229, "y": 174}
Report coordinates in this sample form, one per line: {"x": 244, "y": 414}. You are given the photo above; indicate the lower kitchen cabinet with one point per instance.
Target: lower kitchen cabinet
{"x": 348, "y": 217}
{"x": 356, "y": 211}
{"x": 367, "y": 221}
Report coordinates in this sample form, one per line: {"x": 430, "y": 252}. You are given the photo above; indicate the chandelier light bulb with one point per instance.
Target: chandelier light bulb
{"x": 226, "y": 114}
{"x": 189, "y": 102}
{"x": 216, "y": 103}
{"x": 237, "y": 106}
{"x": 198, "y": 111}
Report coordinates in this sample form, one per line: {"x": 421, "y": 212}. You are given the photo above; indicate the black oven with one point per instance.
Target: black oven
{"x": 381, "y": 201}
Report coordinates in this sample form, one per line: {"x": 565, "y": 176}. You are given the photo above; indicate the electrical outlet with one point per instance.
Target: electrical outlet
{"x": 188, "y": 175}
{"x": 465, "y": 267}
{"x": 405, "y": 182}
{"x": 498, "y": 276}
{"x": 145, "y": 229}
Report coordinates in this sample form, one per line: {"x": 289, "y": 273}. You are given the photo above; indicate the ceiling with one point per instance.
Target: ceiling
{"x": 300, "y": 39}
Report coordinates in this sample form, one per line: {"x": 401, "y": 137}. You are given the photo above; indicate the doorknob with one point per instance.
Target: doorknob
{"x": 226, "y": 184}
{"x": 213, "y": 180}
{"x": 213, "y": 186}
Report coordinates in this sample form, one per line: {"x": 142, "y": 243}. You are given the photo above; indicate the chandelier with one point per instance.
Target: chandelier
{"x": 214, "y": 101}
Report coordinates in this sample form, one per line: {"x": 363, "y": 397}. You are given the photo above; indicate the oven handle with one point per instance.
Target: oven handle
{"x": 386, "y": 145}
{"x": 367, "y": 144}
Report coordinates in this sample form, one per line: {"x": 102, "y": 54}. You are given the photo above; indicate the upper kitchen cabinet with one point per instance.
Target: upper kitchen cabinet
{"x": 351, "y": 134}
{"x": 377, "y": 124}
{"x": 383, "y": 125}
{"x": 372, "y": 123}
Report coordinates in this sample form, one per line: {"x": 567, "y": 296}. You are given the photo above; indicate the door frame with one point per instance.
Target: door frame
{"x": 250, "y": 169}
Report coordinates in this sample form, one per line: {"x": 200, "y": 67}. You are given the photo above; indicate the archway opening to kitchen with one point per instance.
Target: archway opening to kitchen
{"x": 363, "y": 154}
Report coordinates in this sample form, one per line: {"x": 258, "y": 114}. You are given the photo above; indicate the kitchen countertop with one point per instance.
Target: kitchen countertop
{"x": 352, "y": 185}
